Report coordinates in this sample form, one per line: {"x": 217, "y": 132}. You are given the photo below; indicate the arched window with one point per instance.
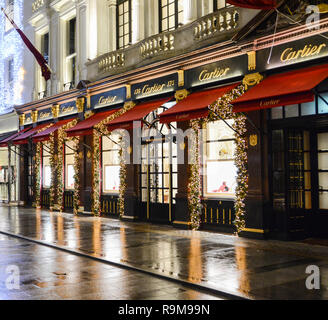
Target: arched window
{"x": 124, "y": 31}
{"x": 170, "y": 14}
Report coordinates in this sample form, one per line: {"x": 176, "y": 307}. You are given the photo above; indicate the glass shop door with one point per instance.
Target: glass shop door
{"x": 158, "y": 180}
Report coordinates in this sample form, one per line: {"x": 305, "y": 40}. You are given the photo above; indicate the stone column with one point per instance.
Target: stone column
{"x": 190, "y": 11}
{"x": 54, "y": 53}
{"x": 81, "y": 45}
{"x": 138, "y": 20}
{"x": 112, "y": 45}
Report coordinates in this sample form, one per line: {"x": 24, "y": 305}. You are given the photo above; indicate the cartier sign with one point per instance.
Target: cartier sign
{"x": 309, "y": 50}
{"x": 68, "y": 108}
{"x": 155, "y": 87}
{"x": 108, "y": 98}
{"x": 293, "y": 52}
{"x": 217, "y": 71}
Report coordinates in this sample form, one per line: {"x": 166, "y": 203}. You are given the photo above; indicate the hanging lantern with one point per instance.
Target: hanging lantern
{"x": 254, "y": 4}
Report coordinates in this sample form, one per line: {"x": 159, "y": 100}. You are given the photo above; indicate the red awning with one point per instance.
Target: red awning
{"x": 254, "y": 4}
{"x": 45, "y": 135}
{"x": 6, "y": 141}
{"x": 195, "y": 105}
{"x": 141, "y": 110}
{"x": 23, "y": 138}
{"x": 85, "y": 127}
{"x": 282, "y": 89}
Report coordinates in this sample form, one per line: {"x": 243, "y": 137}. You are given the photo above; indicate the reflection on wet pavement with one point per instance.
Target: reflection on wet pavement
{"x": 49, "y": 274}
{"x": 254, "y": 269}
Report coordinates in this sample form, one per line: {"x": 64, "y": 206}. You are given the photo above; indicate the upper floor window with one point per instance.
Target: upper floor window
{"x": 170, "y": 14}
{"x": 10, "y": 12}
{"x": 70, "y": 55}
{"x": 45, "y": 46}
{"x": 124, "y": 32}
{"x": 219, "y": 4}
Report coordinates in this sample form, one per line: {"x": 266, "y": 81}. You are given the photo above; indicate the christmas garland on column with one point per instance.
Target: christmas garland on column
{"x": 96, "y": 206}
{"x": 194, "y": 186}
{"x": 37, "y": 176}
{"x": 76, "y": 198}
{"x": 222, "y": 109}
{"x": 123, "y": 176}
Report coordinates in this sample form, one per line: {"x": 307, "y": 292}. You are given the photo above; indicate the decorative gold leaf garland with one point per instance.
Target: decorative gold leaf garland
{"x": 100, "y": 129}
{"x": 76, "y": 199}
{"x": 37, "y": 168}
{"x": 123, "y": 175}
{"x": 194, "y": 185}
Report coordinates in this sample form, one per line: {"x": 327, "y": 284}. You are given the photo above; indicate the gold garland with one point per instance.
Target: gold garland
{"x": 37, "y": 175}
{"x": 76, "y": 199}
{"x": 123, "y": 175}
{"x": 96, "y": 206}
{"x": 194, "y": 185}
{"x": 100, "y": 129}
{"x": 222, "y": 109}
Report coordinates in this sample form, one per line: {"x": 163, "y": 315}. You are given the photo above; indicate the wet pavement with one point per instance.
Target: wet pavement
{"x": 49, "y": 274}
{"x": 241, "y": 267}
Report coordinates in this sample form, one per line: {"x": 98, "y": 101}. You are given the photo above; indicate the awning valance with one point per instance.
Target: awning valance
{"x": 126, "y": 120}
{"x": 45, "y": 135}
{"x": 5, "y": 142}
{"x": 283, "y": 89}
{"x": 86, "y": 126}
{"x": 254, "y": 4}
{"x": 195, "y": 105}
{"x": 23, "y": 138}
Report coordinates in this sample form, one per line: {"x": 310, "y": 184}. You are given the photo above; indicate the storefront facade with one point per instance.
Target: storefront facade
{"x": 9, "y": 161}
{"x": 257, "y": 165}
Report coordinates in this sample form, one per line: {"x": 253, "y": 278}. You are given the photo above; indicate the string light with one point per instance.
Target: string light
{"x": 11, "y": 49}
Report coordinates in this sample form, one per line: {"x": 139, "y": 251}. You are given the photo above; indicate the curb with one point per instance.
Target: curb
{"x": 199, "y": 287}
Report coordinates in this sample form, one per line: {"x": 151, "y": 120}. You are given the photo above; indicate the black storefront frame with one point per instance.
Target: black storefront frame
{"x": 281, "y": 227}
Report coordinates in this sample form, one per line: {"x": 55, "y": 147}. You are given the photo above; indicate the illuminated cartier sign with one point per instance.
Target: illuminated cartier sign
{"x": 207, "y": 75}
{"x": 109, "y": 98}
{"x": 155, "y": 87}
{"x": 68, "y": 109}
{"x": 106, "y": 100}
{"x": 310, "y": 50}
{"x": 44, "y": 115}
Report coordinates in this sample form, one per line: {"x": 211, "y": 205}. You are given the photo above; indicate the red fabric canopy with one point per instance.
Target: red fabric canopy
{"x": 45, "y": 135}
{"x": 136, "y": 114}
{"x": 85, "y": 127}
{"x": 282, "y": 89}
{"x": 195, "y": 105}
{"x": 6, "y": 141}
{"x": 254, "y": 4}
{"x": 23, "y": 138}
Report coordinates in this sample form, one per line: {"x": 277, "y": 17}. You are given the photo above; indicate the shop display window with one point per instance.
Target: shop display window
{"x": 219, "y": 166}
